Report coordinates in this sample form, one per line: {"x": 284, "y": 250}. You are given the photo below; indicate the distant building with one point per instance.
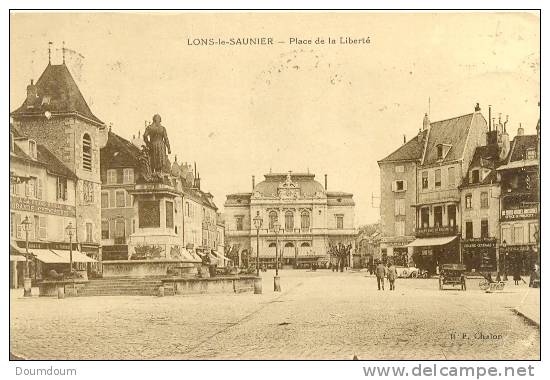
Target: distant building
{"x": 519, "y": 203}
{"x": 56, "y": 116}
{"x": 311, "y": 220}
{"x": 367, "y": 249}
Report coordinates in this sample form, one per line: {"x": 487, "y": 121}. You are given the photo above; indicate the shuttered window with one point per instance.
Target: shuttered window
{"x": 87, "y": 152}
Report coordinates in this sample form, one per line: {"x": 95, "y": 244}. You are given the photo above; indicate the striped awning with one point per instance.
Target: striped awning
{"x": 49, "y": 256}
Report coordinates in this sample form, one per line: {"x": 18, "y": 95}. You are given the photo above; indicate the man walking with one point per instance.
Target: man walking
{"x": 380, "y": 274}
{"x": 392, "y": 275}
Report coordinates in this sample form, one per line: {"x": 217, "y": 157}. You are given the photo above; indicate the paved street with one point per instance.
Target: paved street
{"x": 319, "y": 315}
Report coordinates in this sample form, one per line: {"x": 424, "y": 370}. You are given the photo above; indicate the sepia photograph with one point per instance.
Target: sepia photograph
{"x": 271, "y": 185}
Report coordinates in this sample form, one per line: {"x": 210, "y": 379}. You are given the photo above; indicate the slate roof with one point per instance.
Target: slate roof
{"x": 520, "y": 146}
{"x": 308, "y": 186}
{"x": 453, "y": 132}
{"x": 44, "y": 158}
{"x": 118, "y": 153}
{"x": 410, "y": 151}
{"x": 57, "y": 83}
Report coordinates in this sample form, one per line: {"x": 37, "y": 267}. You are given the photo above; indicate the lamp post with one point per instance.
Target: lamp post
{"x": 258, "y": 224}
{"x": 276, "y": 279}
{"x": 504, "y": 274}
{"x": 26, "y": 223}
{"x": 69, "y": 229}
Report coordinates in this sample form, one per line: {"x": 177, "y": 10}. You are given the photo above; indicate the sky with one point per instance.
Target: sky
{"x": 332, "y": 109}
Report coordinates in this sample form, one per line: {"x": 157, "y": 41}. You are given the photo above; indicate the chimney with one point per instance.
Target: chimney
{"x": 198, "y": 181}
{"x": 477, "y": 108}
{"x": 520, "y": 130}
{"x": 326, "y": 182}
{"x": 404, "y": 139}
{"x": 425, "y": 122}
{"x": 489, "y": 118}
{"x": 253, "y": 182}
{"x": 504, "y": 145}
{"x": 419, "y": 136}
{"x": 32, "y": 94}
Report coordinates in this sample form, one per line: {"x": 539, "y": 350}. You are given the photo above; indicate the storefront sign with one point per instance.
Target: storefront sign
{"x": 436, "y": 231}
{"x": 42, "y": 207}
{"x": 516, "y": 248}
{"x": 479, "y": 243}
{"x": 88, "y": 248}
{"x": 520, "y": 213}
{"x": 41, "y": 245}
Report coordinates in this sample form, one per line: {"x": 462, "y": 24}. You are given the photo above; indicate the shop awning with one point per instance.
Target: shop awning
{"x": 78, "y": 257}
{"x": 17, "y": 258}
{"x": 222, "y": 257}
{"x": 429, "y": 242}
{"x": 48, "y": 257}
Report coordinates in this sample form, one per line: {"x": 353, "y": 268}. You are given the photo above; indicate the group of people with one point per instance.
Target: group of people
{"x": 382, "y": 271}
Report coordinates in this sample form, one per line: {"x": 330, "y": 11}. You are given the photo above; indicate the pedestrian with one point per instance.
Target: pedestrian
{"x": 392, "y": 275}
{"x": 517, "y": 274}
{"x": 380, "y": 274}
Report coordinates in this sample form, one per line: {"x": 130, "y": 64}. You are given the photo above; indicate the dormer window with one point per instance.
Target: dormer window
{"x": 46, "y": 100}
{"x": 442, "y": 150}
{"x": 439, "y": 152}
{"x": 32, "y": 149}
{"x": 530, "y": 154}
{"x": 475, "y": 176}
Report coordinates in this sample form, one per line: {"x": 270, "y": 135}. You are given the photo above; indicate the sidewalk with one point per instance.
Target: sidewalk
{"x": 529, "y": 307}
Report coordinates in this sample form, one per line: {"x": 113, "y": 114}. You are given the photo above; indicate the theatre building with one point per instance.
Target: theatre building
{"x": 310, "y": 217}
{"x": 520, "y": 207}
{"x": 449, "y": 149}
{"x": 42, "y": 193}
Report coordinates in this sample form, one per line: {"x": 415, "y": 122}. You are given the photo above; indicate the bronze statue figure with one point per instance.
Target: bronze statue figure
{"x": 157, "y": 143}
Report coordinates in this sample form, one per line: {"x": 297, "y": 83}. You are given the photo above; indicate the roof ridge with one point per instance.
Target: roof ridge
{"x": 451, "y": 118}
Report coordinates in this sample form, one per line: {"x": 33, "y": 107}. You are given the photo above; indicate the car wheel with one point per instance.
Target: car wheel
{"x": 414, "y": 274}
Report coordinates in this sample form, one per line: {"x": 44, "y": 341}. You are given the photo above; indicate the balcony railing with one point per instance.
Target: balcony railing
{"x": 436, "y": 231}
{"x": 439, "y": 196}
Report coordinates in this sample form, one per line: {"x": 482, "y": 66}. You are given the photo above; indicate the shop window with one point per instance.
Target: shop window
{"x": 518, "y": 235}
{"x": 469, "y": 230}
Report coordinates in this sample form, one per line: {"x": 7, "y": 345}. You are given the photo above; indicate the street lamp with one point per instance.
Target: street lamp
{"x": 26, "y": 223}
{"x": 258, "y": 224}
{"x": 276, "y": 279}
{"x": 69, "y": 229}
{"x": 504, "y": 275}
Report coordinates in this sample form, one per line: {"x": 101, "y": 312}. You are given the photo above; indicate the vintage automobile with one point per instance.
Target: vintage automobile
{"x": 407, "y": 272}
{"x": 452, "y": 274}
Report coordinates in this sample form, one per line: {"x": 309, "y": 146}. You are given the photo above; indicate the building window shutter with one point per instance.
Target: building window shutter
{"x": 393, "y": 186}
{"x": 404, "y": 185}
{"x": 39, "y": 188}
{"x": 43, "y": 227}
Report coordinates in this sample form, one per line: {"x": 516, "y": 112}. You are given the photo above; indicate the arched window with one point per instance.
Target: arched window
{"x": 305, "y": 220}
{"x": 272, "y": 219}
{"x": 87, "y": 152}
{"x": 272, "y": 245}
{"x": 305, "y": 244}
{"x": 289, "y": 221}
{"x": 289, "y": 245}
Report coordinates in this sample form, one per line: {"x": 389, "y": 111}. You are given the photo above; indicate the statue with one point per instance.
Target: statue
{"x": 156, "y": 141}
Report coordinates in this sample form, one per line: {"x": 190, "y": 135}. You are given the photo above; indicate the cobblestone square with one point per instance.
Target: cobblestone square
{"x": 318, "y": 315}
